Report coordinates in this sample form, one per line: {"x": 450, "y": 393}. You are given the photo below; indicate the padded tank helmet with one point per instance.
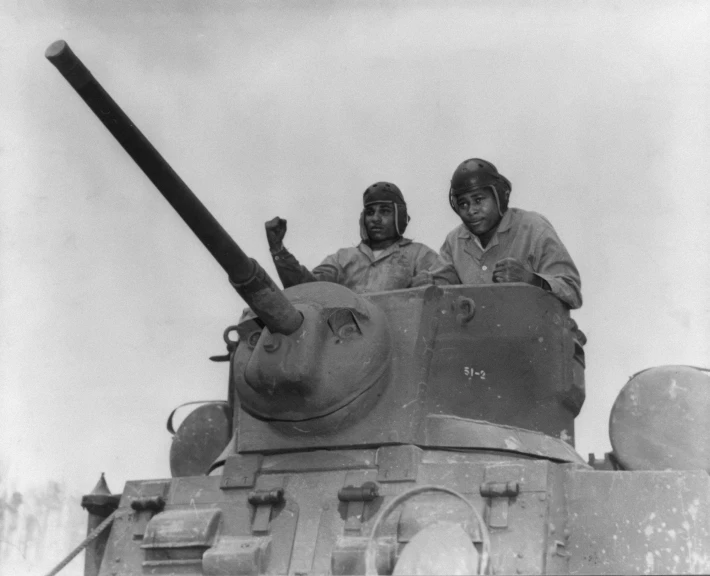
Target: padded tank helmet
{"x": 476, "y": 173}
{"x": 385, "y": 192}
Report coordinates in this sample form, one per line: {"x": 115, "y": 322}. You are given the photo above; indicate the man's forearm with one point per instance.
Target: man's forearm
{"x": 290, "y": 270}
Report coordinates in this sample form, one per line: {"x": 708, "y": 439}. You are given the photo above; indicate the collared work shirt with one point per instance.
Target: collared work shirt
{"x": 359, "y": 269}
{"x": 526, "y": 236}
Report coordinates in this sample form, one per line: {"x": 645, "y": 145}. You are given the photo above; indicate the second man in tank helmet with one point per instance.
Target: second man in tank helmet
{"x": 384, "y": 259}
{"x": 495, "y": 243}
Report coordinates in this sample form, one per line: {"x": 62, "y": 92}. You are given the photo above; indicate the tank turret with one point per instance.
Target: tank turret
{"x": 321, "y": 357}
{"x": 421, "y": 431}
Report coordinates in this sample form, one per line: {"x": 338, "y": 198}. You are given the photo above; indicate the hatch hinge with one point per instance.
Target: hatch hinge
{"x": 145, "y": 508}
{"x": 359, "y": 488}
{"x": 264, "y": 500}
{"x": 499, "y": 495}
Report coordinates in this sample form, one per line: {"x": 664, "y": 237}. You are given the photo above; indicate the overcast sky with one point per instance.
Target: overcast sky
{"x": 596, "y": 111}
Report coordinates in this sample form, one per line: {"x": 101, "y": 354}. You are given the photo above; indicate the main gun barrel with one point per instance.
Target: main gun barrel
{"x": 246, "y": 275}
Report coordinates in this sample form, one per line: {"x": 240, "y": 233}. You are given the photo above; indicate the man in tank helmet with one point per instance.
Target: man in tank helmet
{"x": 495, "y": 243}
{"x": 384, "y": 260}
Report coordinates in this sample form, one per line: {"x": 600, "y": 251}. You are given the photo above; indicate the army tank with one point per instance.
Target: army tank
{"x": 419, "y": 431}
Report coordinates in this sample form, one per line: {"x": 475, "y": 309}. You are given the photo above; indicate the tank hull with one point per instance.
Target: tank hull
{"x": 551, "y": 518}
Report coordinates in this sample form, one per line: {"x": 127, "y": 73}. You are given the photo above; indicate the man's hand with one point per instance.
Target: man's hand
{"x": 512, "y": 270}
{"x": 275, "y": 232}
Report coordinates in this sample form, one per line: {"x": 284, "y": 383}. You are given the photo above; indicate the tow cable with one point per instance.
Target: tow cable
{"x": 95, "y": 533}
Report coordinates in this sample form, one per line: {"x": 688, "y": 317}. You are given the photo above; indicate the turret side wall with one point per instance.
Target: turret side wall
{"x": 512, "y": 363}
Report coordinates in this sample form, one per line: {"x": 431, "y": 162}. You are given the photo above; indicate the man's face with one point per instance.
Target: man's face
{"x": 379, "y": 222}
{"x": 478, "y": 211}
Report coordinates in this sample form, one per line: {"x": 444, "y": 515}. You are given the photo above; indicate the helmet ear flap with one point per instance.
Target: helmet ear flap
{"x": 503, "y": 193}
{"x": 452, "y": 199}
{"x": 401, "y": 218}
{"x": 363, "y": 231}
{"x": 496, "y": 195}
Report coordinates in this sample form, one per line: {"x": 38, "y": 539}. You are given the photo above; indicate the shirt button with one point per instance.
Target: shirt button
{"x": 485, "y": 267}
